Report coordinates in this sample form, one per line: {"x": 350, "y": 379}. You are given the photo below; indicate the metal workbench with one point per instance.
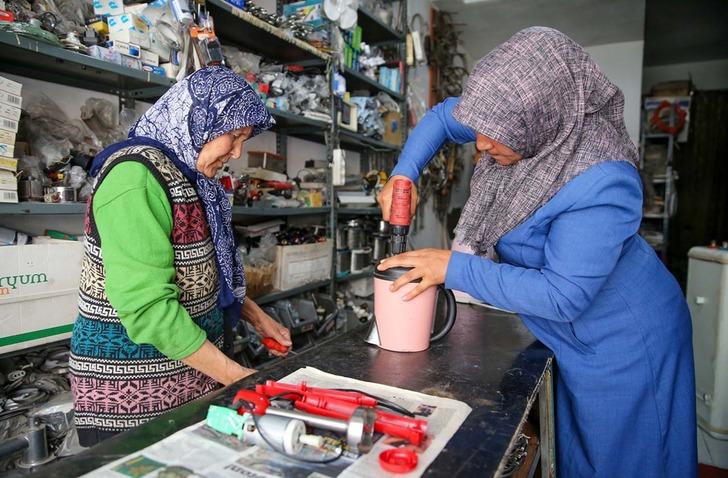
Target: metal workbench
{"x": 489, "y": 361}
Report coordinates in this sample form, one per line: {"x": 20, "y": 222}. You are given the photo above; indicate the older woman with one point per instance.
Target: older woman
{"x": 557, "y": 195}
{"x": 161, "y": 275}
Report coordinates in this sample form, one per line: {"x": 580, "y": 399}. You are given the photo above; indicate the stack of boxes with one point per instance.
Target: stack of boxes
{"x": 10, "y": 101}
{"x": 130, "y": 42}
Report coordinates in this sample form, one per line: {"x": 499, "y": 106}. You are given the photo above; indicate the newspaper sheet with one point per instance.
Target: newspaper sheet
{"x": 200, "y": 451}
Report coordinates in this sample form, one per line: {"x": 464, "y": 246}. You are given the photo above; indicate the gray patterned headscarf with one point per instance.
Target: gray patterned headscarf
{"x": 540, "y": 94}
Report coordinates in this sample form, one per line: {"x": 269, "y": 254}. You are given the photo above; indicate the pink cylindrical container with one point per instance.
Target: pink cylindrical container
{"x": 407, "y": 326}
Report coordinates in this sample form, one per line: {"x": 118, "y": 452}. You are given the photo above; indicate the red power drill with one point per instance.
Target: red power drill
{"x": 399, "y": 216}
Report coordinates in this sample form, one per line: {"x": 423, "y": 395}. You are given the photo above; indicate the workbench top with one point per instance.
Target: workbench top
{"x": 489, "y": 361}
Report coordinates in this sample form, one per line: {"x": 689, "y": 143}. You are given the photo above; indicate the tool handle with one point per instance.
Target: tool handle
{"x": 276, "y": 388}
{"x": 272, "y": 344}
{"x": 400, "y": 213}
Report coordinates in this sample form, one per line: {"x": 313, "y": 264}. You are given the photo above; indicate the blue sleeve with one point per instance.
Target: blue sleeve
{"x": 581, "y": 250}
{"x": 428, "y": 137}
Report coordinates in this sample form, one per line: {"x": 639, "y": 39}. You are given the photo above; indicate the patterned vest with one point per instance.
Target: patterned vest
{"x": 118, "y": 384}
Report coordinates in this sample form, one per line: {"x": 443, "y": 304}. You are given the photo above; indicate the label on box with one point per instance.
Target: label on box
{"x": 7, "y": 137}
{"x": 126, "y": 49}
{"x": 8, "y": 196}
{"x": 10, "y": 99}
{"x": 10, "y": 112}
{"x": 108, "y": 7}
{"x": 7, "y": 150}
{"x": 8, "y": 181}
{"x": 10, "y": 86}
{"x": 8, "y": 164}
{"x": 127, "y": 21}
{"x": 9, "y": 125}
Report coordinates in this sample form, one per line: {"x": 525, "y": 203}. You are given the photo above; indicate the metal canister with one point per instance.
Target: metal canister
{"x": 381, "y": 243}
{"x": 354, "y": 235}
{"x": 360, "y": 259}
{"x": 341, "y": 236}
{"x": 343, "y": 261}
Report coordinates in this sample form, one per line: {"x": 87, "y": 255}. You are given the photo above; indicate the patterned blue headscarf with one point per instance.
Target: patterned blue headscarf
{"x": 205, "y": 105}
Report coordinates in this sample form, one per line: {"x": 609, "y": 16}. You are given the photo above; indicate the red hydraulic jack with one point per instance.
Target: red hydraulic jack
{"x": 342, "y": 405}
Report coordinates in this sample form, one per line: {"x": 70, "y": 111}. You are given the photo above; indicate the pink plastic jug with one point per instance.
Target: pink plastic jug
{"x": 407, "y": 326}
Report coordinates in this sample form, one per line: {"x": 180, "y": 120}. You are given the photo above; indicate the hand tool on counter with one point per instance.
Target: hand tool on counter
{"x": 358, "y": 428}
{"x": 342, "y": 404}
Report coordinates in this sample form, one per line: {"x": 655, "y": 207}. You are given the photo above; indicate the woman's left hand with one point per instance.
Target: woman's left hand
{"x": 429, "y": 265}
{"x": 266, "y": 326}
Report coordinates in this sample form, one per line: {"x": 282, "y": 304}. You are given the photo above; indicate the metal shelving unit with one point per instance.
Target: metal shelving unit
{"x": 34, "y": 59}
{"x": 359, "y": 211}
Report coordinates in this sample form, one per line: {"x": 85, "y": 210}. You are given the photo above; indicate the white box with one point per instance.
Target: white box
{"x": 7, "y": 150}
{"x": 707, "y": 298}
{"x": 149, "y": 58}
{"x": 8, "y": 197}
{"x": 108, "y": 7}
{"x": 10, "y": 99}
{"x": 7, "y": 137}
{"x": 10, "y": 86}
{"x": 8, "y": 181}
{"x": 129, "y": 28}
{"x": 10, "y": 112}
{"x": 38, "y": 293}
{"x": 300, "y": 265}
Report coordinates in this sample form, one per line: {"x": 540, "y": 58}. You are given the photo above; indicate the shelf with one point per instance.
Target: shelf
{"x": 25, "y": 208}
{"x": 279, "y": 211}
{"x": 358, "y": 211}
{"x": 653, "y": 216}
{"x": 358, "y": 81}
{"x": 25, "y": 57}
{"x": 287, "y": 120}
{"x": 657, "y": 136}
{"x": 358, "y": 142}
{"x": 375, "y": 31}
{"x": 235, "y": 26}
{"x": 285, "y": 294}
{"x": 358, "y": 275}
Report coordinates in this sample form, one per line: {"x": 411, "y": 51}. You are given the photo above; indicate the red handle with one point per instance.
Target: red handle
{"x": 257, "y": 401}
{"x": 276, "y": 388}
{"x": 273, "y": 344}
{"x": 401, "y": 201}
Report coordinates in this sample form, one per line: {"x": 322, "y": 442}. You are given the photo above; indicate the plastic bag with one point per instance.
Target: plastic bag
{"x": 100, "y": 116}
{"x": 76, "y": 177}
{"x": 241, "y": 63}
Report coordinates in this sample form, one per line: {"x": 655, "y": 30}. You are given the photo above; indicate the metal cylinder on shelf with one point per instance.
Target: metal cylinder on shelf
{"x": 354, "y": 235}
{"x": 360, "y": 259}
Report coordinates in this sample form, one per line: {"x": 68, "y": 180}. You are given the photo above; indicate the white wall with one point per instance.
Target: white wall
{"x": 706, "y": 75}
{"x": 622, "y": 63}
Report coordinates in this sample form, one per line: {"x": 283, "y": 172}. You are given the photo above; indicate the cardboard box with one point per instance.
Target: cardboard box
{"x": 8, "y": 164}
{"x": 10, "y": 112}
{"x": 105, "y": 54}
{"x": 392, "y": 128}
{"x": 313, "y": 11}
{"x": 300, "y": 265}
{"x": 7, "y": 137}
{"x": 10, "y": 86}
{"x": 108, "y": 7}
{"x": 8, "y": 181}
{"x": 124, "y": 48}
{"x": 129, "y": 28}
{"x": 149, "y": 58}
{"x": 7, "y": 150}
{"x": 38, "y": 292}
{"x": 8, "y": 197}
{"x": 10, "y": 99}
{"x": 8, "y": 125}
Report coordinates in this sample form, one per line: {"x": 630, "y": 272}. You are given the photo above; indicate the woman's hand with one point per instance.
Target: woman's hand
{"x": 209, "y": 360}
{"x": 385, "y": 197}
{"x": 429, "y": 265}
{"x": 266, "y": 326}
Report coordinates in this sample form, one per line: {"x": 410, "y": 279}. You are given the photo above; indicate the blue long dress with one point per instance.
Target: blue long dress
{"x": 591, "y": 289}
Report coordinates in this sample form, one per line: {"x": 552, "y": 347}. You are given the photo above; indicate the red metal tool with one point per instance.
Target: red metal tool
{"x": 342, "y": 404}
{"x": 272, "y": 344}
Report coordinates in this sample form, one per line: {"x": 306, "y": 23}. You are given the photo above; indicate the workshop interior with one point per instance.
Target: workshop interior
{"x": 359, "y": 238}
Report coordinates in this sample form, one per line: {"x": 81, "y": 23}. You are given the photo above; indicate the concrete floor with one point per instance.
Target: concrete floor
{"x": 711, "y": 451}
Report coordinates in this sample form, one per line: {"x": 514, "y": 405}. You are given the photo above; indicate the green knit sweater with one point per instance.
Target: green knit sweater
{"x": 134, "y": 220}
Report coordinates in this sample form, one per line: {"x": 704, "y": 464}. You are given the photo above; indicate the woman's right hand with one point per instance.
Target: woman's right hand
{"x": 385, "y": 197}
